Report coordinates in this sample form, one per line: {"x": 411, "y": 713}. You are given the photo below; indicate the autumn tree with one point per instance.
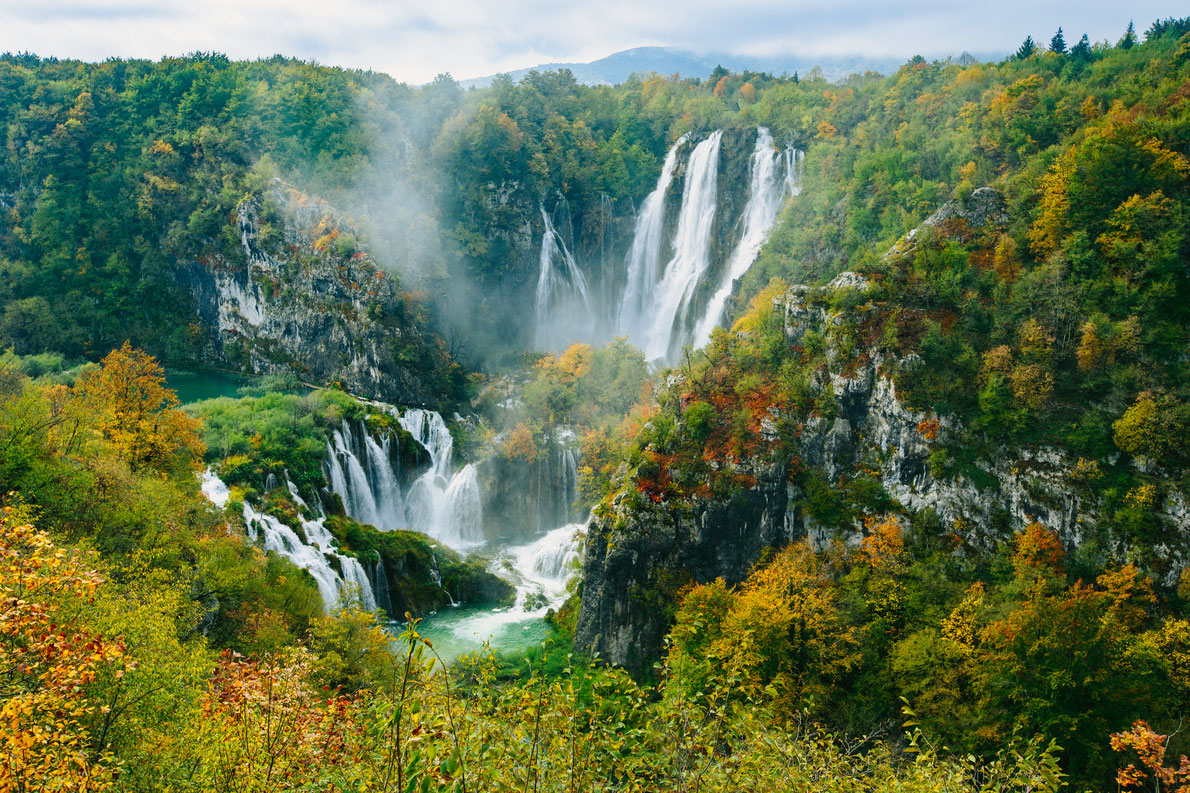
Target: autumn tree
{"x": 130, "y": 407}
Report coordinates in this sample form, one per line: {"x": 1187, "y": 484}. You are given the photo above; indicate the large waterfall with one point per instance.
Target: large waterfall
{"x": 774, "y": 175}
{"x": 643, "y": 263}
{"x": 691, "y": 246}
{"x": 664, "y": 297}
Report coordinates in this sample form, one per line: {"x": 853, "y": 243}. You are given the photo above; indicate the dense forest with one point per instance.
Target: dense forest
{"x": 917, "y": 517}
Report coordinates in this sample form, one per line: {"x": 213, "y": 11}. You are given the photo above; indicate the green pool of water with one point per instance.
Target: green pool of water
{"x": 197, "y": 386}
{"x": 457, "y": 630}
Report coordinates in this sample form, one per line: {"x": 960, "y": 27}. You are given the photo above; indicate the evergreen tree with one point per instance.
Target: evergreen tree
{"x": 1129, "y": 37}
{"x": 1082, "y": 50}
{"x": 1058, "y": 43}
{"x": 1027, "y": 48}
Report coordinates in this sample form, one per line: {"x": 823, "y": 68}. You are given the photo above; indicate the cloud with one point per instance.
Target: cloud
{"x": 415, "y": 41}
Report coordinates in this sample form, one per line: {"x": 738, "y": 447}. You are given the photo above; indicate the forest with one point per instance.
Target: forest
{"x": 914, "y": 518}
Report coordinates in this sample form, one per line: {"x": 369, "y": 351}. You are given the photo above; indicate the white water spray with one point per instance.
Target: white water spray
{"x": 691, "y": 246}
{"x": 774, "y": 176}
{"x": 643, "y": 261}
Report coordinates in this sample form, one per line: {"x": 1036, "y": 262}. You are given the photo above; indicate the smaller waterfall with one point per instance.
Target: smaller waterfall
{"x": 447, "y": 507}
{"x": 774, "y": 175}
{"x": 564, "y": 311}
{"x": 691, "y": 247}
{"x": 380, "y": 587}
{"x": 644, "y": 256}
{"x": 314, "y": 554}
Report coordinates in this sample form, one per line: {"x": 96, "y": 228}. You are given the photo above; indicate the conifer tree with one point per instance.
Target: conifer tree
{"x": 1129, "y": 37}
{"x": 1082, "y": 50}
{"x": 1026, "y": 49}
{"x": 1058, "y": 43}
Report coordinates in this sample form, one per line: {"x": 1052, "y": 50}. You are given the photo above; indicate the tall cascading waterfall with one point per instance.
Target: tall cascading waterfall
{"x": 314, "y": 554}
{"x": 691, "y": 245}
{"x": 775, "y": 175}
{"x": 563, "y": 310}
{"x": 643, "y": 261}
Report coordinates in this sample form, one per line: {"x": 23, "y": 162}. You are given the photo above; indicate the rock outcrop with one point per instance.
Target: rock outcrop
{"x": 306, "y": 298}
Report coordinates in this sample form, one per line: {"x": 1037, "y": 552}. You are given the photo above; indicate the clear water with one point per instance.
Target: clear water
{"x": 197, "y": 386}
{"x": 458, "y": 630}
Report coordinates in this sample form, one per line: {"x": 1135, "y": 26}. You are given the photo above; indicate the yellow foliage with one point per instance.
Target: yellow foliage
{"x": 128, "y": 406}
{"x": 49, "y": 660}
{"x": 960, "y": 626}
{"x": 520, "y": 445}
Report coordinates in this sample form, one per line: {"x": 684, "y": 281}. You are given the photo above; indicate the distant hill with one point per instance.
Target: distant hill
{"x": 617, "y": 67}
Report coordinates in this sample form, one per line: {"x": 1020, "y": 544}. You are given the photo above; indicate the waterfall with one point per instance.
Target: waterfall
{"x": 644, "y": 255}
{"x": 563, "y": 300}
{"x": 569, "y": 481}
{"x": 313, "y": 554}
{"x": 380, "y": 587}
{"x": 349, "y": 479}
{"x": 691, "y": 246}
{"x": 382, "y": 476}
{"x": 447, "y": 507}
{"x": 768, "y": 187}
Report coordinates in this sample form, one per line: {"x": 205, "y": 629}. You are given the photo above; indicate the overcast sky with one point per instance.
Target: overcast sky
{"x": 413, "y": 41}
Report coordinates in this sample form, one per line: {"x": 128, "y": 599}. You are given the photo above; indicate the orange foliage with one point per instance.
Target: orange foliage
{"x": 1150, "y": 749}
{"x": 128, "y": 405}
{"x": 884, "y": 544}
{"x": 928, "y": 428}
{"x": 48, "y": 661}
{"x": 1038, "y": 547}
{"x": 520, "y": 445}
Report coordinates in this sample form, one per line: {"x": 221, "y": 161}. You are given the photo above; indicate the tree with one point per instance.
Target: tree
{"x": 1156, "y": 426}
{"x": 131, "y": 409}
{"x": 1082, "y": 50}
{"x": 1026, "y": 49}
{"x": 1129, "y": 38}
{"x": 1058, "y": 43}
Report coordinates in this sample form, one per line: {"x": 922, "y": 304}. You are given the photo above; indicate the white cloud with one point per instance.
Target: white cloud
{"x": 415, "y": 41}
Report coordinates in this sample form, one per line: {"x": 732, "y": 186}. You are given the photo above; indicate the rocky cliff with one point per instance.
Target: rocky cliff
{"x": 638, "y": 558}
{"x": 306, "y": 297}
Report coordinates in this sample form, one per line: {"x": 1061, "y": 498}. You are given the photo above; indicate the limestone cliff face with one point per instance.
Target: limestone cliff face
{"x": 637, "y": 559}
{"x": 307, "y": 298}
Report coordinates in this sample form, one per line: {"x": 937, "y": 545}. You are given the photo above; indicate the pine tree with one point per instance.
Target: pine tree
{"x": 1058, "y": 43}
{"x": 1129, "y": 37}
{"x": 1027, "y": 48}
{"x": 1082, "y": 50}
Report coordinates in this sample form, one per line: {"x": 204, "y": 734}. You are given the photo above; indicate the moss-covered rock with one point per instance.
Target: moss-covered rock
{"x": 422, "y": 575}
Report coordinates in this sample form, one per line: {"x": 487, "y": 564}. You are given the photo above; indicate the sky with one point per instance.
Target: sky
{"x": 414, "y": 41}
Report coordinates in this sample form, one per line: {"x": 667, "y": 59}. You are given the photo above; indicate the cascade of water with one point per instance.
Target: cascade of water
{"x": 644, "y": 255}
{"x": 349, "y": 479}
{"x": 386, "y": 490}
{"x": 569, "y": 481}
{"x": 773, "y": 177}
{"x": 563, "y": 300}
{"x": 380, "y": 586}
{"x": 436, "y": 574}
{"x": 463, "y": 525}
{"x": 691, "y": 247}
{"x": 445, "y": 506}
{"x": 313, "y": 554}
